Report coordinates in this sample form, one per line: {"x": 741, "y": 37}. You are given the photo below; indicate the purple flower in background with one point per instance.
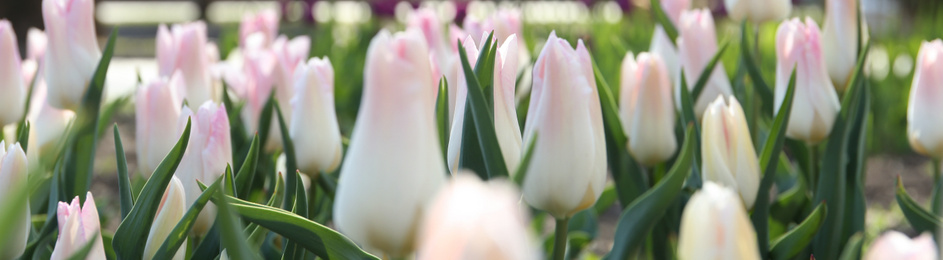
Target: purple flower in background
{"x": 387, "y": 8}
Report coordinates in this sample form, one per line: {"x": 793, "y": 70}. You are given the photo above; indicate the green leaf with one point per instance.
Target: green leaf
{"x": 233, "y": 239}
{"x": 209, "y": 246}
{"x": 291, "y": 163}
{"x": 639, "y": 217}
{"x": 109, "y": 112}
{"x": 662, "y": 19}
{"x": 83, "y": 252}
{"x": 300, "y": 208}
{"x": 316, "y": 238}
{"x": 792, "y": 243}
{"x": 521, "y": 172}
{"x": 483, "y": 115}
{"x": 131, "y": 236}
{"x": 856, "y": 206}
{"x": 23, "y": 137}
{"x": 257, "y": 233}
{"x": 265, "y": 119}
{"x": 920, "y": 219}
{"x": 247, "y": 171}
{"x": 766, "y": 94}
{"x": 237, "y": 129}
{"x": 852, "y": 249}
{"x": 769, "y": 160}
{"x": 628, "y": 178}
{"x": 689, "y": 120}
{"x": 11, "y": 212}
{"x": 229, "y": 187}
{"x": 442, "y": 116}
{"x": 708, "y": 72}
{"x": 124, "y": 181}
{"x": 83, "y": 141}
{"x": 179, "y": 234}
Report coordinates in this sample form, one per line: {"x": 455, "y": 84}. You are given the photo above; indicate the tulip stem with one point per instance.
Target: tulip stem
{"x": 559, "y": 239}
{"x": 813, "y": 167}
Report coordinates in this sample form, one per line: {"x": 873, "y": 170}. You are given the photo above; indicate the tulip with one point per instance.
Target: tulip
{"x": 923, "y": 121}
{"x": 840, "y": 37}
{"x": 183, "y": 48}
{"x": 13, "y": 100}
{"x": 157, "y": 109}
{"x": 471, "y": 219}
{"x": 674, "y": 8}
{"x": 697, "y": 45}
{"x": 169, "y": 213}
{"x": 815, "y": 105}
{"x": 48, "y": 126}
{"x": 208, "y": 153}
{"x": 714, "y": 225}
{"x": 896, "y": 245}
{"x": 665, "y": 48}
{"x": 504, "y": 22}
{"x": 758, "y": 11}
{"x": 506, "y": 125}
{"x": 394, "y": 162}
{"x": 72, "y": 54}
{"x": 729, "y": 158}
{"x": 36, "y": 43}
{"x": 647, "y": 112}
{"x": 13, "y": 171}
{"x": 287, "y": 55}
{"x": 568, "y": 168}
{"x": 314, "y": 126}
{"x": 265, "y": 22}
{"x": 78, "y": 226}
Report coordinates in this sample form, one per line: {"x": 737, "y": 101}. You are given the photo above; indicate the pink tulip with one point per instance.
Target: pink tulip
{"x": 815, "y": 104}
{"x": 183, "y": 48}
{"x": 265, "y": 22}
{"x": 206, "y": 157}
{"x": 924, "y": 122}
{"x": 895, "y": 245}
{"x": 13, "y": 172}
{"x": 73, "y": 52}
{"x": 647, "y": 109}
{"x": 256, "y": 81}
{"x": 157, "y": 109}
{"x": 78, "y": 226}
{"x": 314, "y": 127}
{"x": 13, "y": 99}
{"x": 697, "y": 45}
{"x": 288, "y": 55}
{"x": 471, "y": 219}
{"x": 674, "y": 8}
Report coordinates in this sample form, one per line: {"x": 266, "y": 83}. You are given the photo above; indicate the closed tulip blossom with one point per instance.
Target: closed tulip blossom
{"x": 183, "y": 48}
{"x": 665, "y": 48}
{"x": 729, "y": 158}
{"x": 647, "y": 110}
{"x": 394, "y": 162}
{"x": 896, "y": 245}
{"x": 923, "y": 113}
{"x": 78, "y": 226}
{"x": 48, "y": 126}
{"x": 674, "y": 8}
{"x": 758, "y": 11}
{"x": 264, "y": 22}
{"x": 169, "y": 213}
{"x": 471, "y": 219}
{"x": 274, "y": 69}
{"x": 254, "y": 82}
{"x": 13, "y": 99}
{"x": 815, "y": 105}
{"x": 13, "y": 172}
{"x": 157, "y": 110}
{"x": 714, "y": 225}
{"x": 288, "y": 55}
{"x": 506, "y": 125}
{"x": 314, "y": 127}
{"x": 72, "y": 55}
{"x": 840, "y": 37}
{"x": 697, "y": 45}
{"x": 208, "y": 153}
{"x": 567, "y": 171}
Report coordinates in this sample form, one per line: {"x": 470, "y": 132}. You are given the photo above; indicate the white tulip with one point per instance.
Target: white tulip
{"x": 647, "y": 110}
{"x": 728, "y": 156}
{"x": 314, "y": 126}
{"x": 697, "y": 45}
{"x": 171, "y": 210}
{"x": 715, "y": 226}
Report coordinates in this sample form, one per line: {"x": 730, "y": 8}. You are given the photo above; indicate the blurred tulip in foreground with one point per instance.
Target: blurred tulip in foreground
{"x": 157, "y": 109}
{"x": 48, "y": 126}
{"x": 758, "y": 11}
{"x": 78, "y": 226}
{"x": 471, "y": 219}
{"x": 73, "y": 54}
{"x": 815, "y": 106}
{"x": 183, "y": 48}
{"x": 13, "y": 99}
{"x": 265, "y": 22}
{"x": 714, "y": 225}
{"x": 169, "y": 213}
{"x": 895, "y": 245}
{"x": 647, "y": 111}
{"x": 697, "y": 45}
{"x": 924, "y": 121}
{"x": 568, "y": 167}
{"x": 394, "y": 162}
{"x": 666, "y": 49}
{"x": 314, "y": 126}
{"x": 673, "y": 9}
{"x": 13, "y": 172}
{"x": 208, "y": 152}
{"x": 840, "y": 37}
{"x": 729, "y": 158}
{"x": 36, "y": 43}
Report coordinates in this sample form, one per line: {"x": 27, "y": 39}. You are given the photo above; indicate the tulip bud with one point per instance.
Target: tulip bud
{"x": 169, "y": 213}
{"x": 471, "y": 219}
{"x": 427, "y": 21}
{"x": 314, "y": 126}
{"x": 506, "y": 124}
{"x": 73, "y": 53}
{"x": 183, "y": 48}
{"x": 923, "y": 110}
{"x": 208, "y": 153}
{"x": 674, "y": 8}
{"x": 815, "y": 105}
{"x": 13, "y": 171}
{"x": 288, "y": 55}
{"x": 840, "y": 37}
{"x": 697, "y": 45}
{"x": 665, "y": 48}
{"x": 568, "y": 168}
{"x": 13, "y": 100}
{"x": 729, "y": 158}
{"x": 896, "y": 245}
{"x": 78, "y": 226}
{"x": 265, "y": 22}
{"x": 157, "y": 109}
{"x": 714, "y": 225}
{"x": 758, "y": 11}
{"x": 48, "y": 127}
{"x": 647, "y": 112}
{"x": 394, "y": 162}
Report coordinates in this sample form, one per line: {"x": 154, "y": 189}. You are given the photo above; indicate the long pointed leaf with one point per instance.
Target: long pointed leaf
{"x": 789, "y": 245}
{"x": 442, "y": 116}
{"x": 233, "y": 239}
{"x": 247, "y": 171}
{"x": 483, "y": 120}
{"x": 124, "y": 181}
{"x": 708, "y": 72}
{"x": 662, "y": 19}
{"x": 920, "y": 219}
